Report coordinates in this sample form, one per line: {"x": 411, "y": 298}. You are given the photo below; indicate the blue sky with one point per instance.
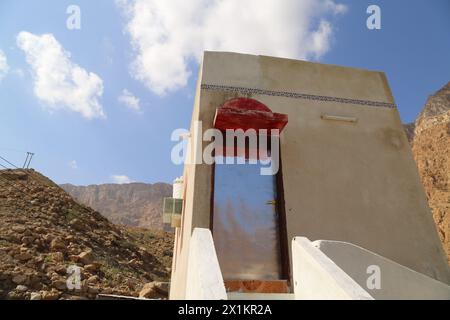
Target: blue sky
{"x": 412, "y": 48}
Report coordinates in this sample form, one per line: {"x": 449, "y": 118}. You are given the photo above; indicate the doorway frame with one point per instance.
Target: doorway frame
{"x": 281, "y": 212}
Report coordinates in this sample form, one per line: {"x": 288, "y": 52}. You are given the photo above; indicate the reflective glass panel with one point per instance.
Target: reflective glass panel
{"x": 245, "y": 222}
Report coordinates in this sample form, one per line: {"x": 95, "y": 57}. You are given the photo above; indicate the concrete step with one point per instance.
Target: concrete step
{"x": 260, "y": 296}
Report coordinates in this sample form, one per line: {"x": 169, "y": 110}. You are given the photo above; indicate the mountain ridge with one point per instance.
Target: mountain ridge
{"x": 134, "y": 204}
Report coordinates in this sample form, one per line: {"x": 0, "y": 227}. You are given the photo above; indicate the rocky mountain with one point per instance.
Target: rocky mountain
{"x": 48, "y": 238}
{"x": 134, "y": 204}
{"x": 409, "y": 129}
{"x": 431, "y": 148}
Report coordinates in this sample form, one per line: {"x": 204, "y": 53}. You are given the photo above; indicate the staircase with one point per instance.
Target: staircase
{"x": 320, "y": 270}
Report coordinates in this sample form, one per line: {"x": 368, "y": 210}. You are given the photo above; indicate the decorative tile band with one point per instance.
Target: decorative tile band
{"x": 294, "y": 95}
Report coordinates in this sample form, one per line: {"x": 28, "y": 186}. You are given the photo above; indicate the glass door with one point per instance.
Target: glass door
{"x": 245, "y": 222}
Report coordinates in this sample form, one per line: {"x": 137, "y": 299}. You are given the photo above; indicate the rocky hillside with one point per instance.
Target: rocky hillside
{"x": 431, "y": 149}
{"x": 409, "y": 129}
{"x": 134, "y": 204}
{"x": 44, "y": 233}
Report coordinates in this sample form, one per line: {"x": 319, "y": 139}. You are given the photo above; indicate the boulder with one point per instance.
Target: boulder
{"x": 35, "y": 296}
{"x": 57, "y": 244}
{"x": 86, "y": 257}
{"x": 19, "y": 279}
{"x": 27, "y": 240}
{"x": 153, "y": 290}
{"x": 93, "y": 267}
{"x": 23, "y": 256}
{"x": 92, "y": 280}
{"x": 21, "y": 288}
{"x": 57, "y": 256}
{"x": 19, "y": 229}
{"x": 163, "y": 287}
{"x": 59, "y": 284}
{"x": 77, "y": 224}
{"x": 50, "y": 295}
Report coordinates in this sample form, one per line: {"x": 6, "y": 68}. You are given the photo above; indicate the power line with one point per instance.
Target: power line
{"x": 29, "y": 173}
{"x": 9, "y": 162}
{"x": 27, "y": 159}
{"x": 20, "y": 169}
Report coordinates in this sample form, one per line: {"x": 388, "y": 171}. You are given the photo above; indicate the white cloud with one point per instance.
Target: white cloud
{"x": 320, "y": 39}
{"x": 121, "y": 179}
{"x": 58, "y": 82}
{"x": 3, "y": 65}
{"x": 167, "y": 35}
{"x": 73, "y": 164}
{"x": 129, "y": 100}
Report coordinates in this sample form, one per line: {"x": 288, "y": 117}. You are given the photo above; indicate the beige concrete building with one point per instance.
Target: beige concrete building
{"x": 346, "y": 174}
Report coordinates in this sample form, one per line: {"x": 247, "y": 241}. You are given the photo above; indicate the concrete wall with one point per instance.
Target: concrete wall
{"x": 380, "y": 277}
{"x": 191, "y": 188}
{"x": 353, "y": 182}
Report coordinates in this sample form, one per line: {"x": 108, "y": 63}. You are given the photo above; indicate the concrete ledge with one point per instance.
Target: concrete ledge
{"x": 395, "y": 281}
{"x": 204, "y": 278}
{"x": 318, "y": 277}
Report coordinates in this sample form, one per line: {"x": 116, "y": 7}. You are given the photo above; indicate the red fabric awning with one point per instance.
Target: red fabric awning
{"x": 245, "y": 113}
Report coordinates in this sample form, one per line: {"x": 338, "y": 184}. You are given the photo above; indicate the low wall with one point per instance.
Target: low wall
{"x": 204, "y": 278}
{"x": 380, "y": 277}
{"x": 315, "y": 276}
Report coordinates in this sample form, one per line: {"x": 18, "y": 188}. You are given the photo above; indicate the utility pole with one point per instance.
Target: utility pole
{"x": 27, "y": 162}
